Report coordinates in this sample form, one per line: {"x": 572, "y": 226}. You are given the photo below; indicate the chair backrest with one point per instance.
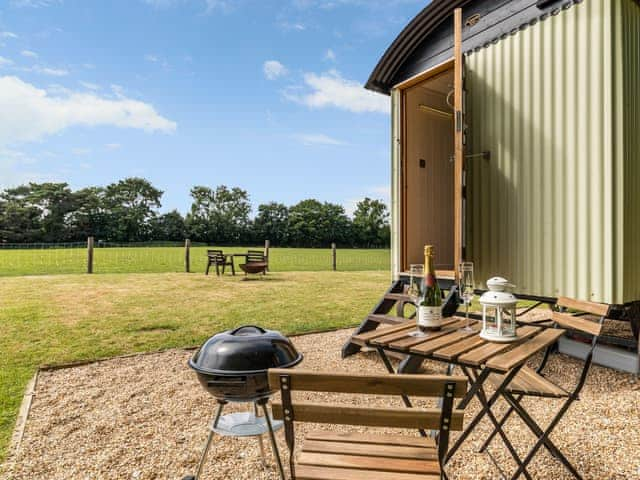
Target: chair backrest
{"x": 577, "y": 321}
{"x": 255, "y": 256}
{"x": 442, "y": 419}
{"x": 217, "y": 254}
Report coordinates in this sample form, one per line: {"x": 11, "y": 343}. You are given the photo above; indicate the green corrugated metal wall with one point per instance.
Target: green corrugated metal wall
{"x": 546, "y": 209}
{"x": 627, "y": 81}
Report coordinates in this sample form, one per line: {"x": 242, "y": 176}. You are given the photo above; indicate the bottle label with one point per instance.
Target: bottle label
{"x": 430, "y": 317}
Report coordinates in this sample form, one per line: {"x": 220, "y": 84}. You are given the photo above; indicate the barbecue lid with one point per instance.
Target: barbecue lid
{"x": 247, "y": 349}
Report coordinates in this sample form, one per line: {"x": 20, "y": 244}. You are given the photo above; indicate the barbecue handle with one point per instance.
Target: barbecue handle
{"x": 255, "y": 327}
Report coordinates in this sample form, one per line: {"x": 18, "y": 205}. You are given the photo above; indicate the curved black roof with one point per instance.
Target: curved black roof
{"x": 381, "y": 79}
{"x": 427, "y": 40}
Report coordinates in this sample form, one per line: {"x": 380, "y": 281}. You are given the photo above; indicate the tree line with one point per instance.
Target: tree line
{"x": 128, "y": 211}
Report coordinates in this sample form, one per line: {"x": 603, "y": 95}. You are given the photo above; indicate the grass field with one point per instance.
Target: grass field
{"x": 66, "y": 318}
{"x": 171, "y": 259}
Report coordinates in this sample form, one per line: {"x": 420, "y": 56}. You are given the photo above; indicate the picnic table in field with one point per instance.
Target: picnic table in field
{"x": 502, "y": 365}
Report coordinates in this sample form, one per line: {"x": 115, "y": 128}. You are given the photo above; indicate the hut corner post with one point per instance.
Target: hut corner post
{"x": 459, "y": 137}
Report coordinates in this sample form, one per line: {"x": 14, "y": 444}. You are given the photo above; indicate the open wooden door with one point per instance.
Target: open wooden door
{"x": 429, "y": 143}
{"x": 460, "y": 140}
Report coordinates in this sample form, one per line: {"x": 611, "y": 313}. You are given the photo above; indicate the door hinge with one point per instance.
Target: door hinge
{"x": 458, "y": 121}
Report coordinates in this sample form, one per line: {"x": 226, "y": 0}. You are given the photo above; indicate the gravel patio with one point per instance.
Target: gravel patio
{"x": 146, "y": 416}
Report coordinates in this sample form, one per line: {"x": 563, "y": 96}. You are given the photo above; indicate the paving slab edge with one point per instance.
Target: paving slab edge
{"x": 23, "y": 415}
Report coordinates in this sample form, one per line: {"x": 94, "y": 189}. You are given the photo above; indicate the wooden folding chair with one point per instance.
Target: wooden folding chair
{"x": 330, "y": 455}
{"x": 530, "y": 382}
{"x": 218, "y": 259}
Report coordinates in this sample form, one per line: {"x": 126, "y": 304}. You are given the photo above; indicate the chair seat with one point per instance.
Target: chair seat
{"x": 357, "y": 456}
{"x": 528, "y": 382}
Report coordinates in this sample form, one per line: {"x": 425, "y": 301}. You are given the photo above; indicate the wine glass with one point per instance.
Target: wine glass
{"x": 415, "y": 291}
{"x": 466, "y": 290}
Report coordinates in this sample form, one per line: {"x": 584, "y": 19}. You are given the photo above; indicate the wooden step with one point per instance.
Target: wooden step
{"x": 398, "y": 297}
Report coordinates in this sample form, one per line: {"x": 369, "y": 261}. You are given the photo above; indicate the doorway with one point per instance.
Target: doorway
{"x": 428, "y": 171}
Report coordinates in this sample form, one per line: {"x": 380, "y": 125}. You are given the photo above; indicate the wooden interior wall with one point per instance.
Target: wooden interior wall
{"x": 428, "y": 212}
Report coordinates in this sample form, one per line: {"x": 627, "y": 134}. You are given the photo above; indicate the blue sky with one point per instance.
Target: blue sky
{"x": 261, "y": 94}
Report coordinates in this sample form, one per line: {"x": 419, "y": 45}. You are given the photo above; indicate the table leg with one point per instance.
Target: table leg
{"x": 483, "y": 399}
{"x": 389, "y": 367}
{"x": 502, "y": 421}
{"x": 470, "y": 394}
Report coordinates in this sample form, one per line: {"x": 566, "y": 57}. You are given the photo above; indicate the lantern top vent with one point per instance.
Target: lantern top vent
{"x": 498, "y": 294}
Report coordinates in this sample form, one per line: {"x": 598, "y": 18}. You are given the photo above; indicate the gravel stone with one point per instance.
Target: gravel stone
{"x": 146, "y": 417}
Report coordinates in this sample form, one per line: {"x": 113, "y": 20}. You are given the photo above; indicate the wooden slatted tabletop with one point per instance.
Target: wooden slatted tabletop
{"x": 453, "y": 345}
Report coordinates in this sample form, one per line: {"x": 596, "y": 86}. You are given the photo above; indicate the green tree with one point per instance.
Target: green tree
{"x": 37, "y": 212}
{"x": 131, "y": 206}
{"x": 371, "y": 223}
{"x": 20, "y": 220}
{"x": 90, "y": 217}
{"x": 272, "y": 223}
{"x": 316, "y": 224}
{"x": 220, "y": 215}
{"x": 169, "y": 226}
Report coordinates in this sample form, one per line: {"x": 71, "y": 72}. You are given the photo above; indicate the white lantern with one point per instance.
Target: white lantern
{"x": 498, "y": 312}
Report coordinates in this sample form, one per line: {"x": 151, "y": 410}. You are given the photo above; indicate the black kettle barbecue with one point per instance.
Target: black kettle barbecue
{"x": 232, "y": 366}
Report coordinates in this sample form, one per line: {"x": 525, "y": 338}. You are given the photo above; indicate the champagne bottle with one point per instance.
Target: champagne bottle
{"x": 430, "y": 310}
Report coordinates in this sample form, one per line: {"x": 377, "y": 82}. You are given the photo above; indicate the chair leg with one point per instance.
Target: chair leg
{"x": 217, "y": 269}
{"x": 206, "y": 272}
{"x": 543, "y": 438}
{"x": 233, "y": 270}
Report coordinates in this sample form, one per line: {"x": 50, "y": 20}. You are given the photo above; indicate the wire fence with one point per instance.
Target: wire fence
{"x": 160, "y": 257}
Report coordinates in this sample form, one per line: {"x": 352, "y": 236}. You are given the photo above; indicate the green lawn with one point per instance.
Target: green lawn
{"x": 171, "y": 259}
{"x": 65, "y": 318}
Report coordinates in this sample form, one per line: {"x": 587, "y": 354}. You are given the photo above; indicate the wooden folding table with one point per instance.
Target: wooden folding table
{"x": 476, "y": 357}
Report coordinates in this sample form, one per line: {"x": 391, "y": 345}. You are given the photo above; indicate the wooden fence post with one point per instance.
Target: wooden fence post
{"x": 266, "y": 252}
{"x": 90, "y": 255}
{"x": 333, "y": 257}
{"x": 187, "y": 255}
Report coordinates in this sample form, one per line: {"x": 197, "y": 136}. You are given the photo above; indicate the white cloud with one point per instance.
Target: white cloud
{"x": 90, "y": 86}
{"x": 273, "y": 69}
{"x": 81, "y": 151}
{"x": 156, "y": 59}
{"x": 310, "y": 139}
{"x": 210, "y": 5}
{"x": 297, "y": 26}
{"x": 17, "y": 168}
{"x": 332, "y": 90}
{"x": 8, "y": 35}
{"x": 113, "y": 146}
{"x": 330, "y": 55}
{"x": 29, "y": 53}
{"x": 379, "y": 192}
{"x": 35, "y": 3}
{"x": 53, "y": 72}
{"x": 31, "y": 113}
{"x": 118, "y": 90}
{"x": 5, "y": 61}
